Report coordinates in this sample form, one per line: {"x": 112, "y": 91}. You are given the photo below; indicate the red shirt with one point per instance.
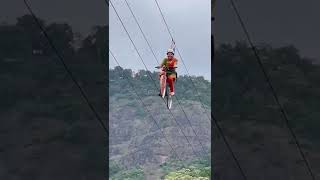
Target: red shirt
{"x": 169, "y": 63}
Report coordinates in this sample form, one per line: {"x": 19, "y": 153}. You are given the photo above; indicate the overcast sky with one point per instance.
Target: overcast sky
{"x": 279, "y": 22}
{"x": 190, "y": 25}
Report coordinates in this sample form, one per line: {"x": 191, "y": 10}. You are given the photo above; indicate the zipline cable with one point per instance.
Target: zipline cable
{"x": 83, "y": 94}
{"x": 148, "y": 72}
{"x": 145, "y": 107}
{"x": 189, "y": 76}
{"x": 212, "y": 116}
{"x": 67, "y": 69}
{"x": 283, "y": 112}
{"x": 144, "y": 36}
{"x": 179, "y": 104}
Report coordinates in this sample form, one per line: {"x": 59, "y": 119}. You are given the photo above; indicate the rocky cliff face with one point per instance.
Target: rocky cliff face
{"x": 136, "y": 140}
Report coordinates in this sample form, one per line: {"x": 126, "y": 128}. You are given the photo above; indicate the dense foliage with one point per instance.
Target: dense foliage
{"x": 144, "y": 85}
{"x": 193, "y": 170}
{"x": 132, "y": 174}
{"x": 39, "y": 101}
{"x": 241, "y": 92}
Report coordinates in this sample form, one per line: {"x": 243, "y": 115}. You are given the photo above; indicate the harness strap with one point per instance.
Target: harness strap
{"x": 173, "y": 45}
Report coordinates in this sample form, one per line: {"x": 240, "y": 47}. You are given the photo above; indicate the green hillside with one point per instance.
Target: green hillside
{"x": 251, "y": 119}
{"x": 138, "y": 131}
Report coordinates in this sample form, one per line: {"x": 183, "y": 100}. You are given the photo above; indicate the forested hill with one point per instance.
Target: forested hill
{"x": 251, "y": 119}
{"x": 146, "y": 86}
{"x": 248, "y": 113}
{"x": 137, "y": 142}
{"x": 47, "y": 130}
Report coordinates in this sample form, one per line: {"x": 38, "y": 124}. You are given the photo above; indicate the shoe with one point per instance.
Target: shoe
{"x": 171, "y": 93}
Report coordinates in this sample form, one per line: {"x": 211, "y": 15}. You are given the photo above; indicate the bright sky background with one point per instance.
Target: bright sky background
{"x": 188, "y": 20}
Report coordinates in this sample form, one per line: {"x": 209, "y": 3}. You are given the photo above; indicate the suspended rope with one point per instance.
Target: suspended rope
{"x": 172, "y": 46}
{"x": 148, "y": 73}
{"x": 283, "y": 112}
{"x": 73, "y": 78}
{"x": 212, "y": 116}
{"x": 145, "y": 106}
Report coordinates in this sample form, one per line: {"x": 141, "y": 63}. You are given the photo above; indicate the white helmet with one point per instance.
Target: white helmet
{"x": 170, "y": 51}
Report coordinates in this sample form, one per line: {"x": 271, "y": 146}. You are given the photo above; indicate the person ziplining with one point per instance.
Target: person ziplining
{"x": 168, "y": 74}
{"x": 168, "y": 66}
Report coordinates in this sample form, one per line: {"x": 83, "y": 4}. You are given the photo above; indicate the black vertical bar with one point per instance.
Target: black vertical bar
{"x": 212, "y": 78}
{"x": 107, "y": 100}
